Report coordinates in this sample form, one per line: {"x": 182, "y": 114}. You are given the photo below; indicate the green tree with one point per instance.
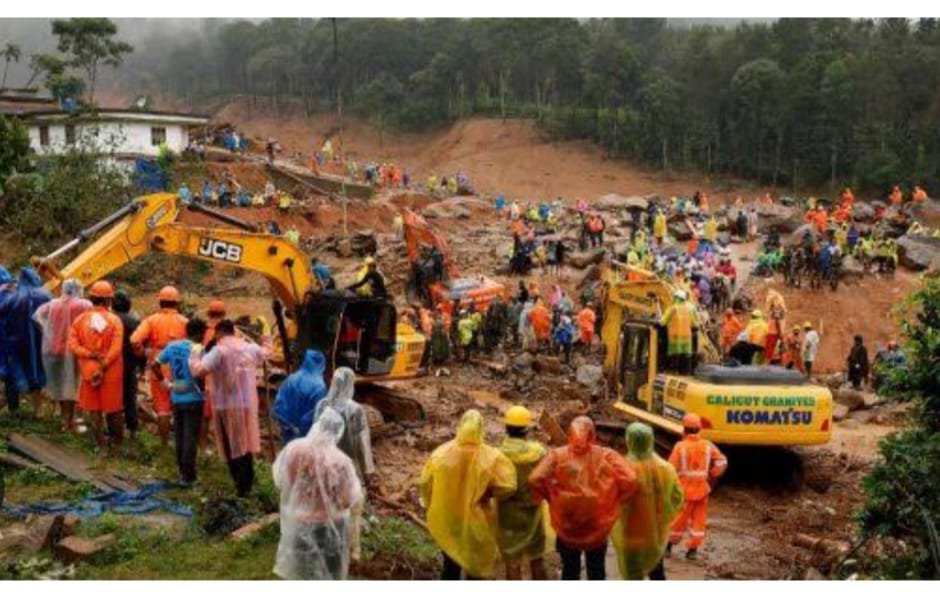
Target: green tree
{"x": 90, "y": 42}
{"x": 14, "y": 148}
{"x": 380, "y": 101}
{"x": 10, "y": 53}
{"x": 902, "y": 500}
{"x": 757, "y": 87}
{"x": 68, "y": 193}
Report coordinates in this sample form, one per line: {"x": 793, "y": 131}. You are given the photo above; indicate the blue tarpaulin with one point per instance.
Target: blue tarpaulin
{"x": 149, "y": 175}
{"x": 142, "y": 501}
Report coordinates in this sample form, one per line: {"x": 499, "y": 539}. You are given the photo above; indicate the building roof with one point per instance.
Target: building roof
{"x": 15, "y": 101}
{"x": 57, "y": 115}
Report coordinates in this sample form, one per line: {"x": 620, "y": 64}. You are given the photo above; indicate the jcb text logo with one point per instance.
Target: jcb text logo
{"x": 221, "y": 250}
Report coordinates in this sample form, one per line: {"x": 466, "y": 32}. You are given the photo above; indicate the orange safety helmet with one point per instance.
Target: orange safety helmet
{"x": 168, "y": 294}
{"x": 101, "y": 289}
{"x": 217, "y": 306}
{"x": 692, "y": 421}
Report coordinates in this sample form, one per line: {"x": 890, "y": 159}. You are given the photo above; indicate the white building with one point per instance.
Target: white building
{"x": 124, "y": 133}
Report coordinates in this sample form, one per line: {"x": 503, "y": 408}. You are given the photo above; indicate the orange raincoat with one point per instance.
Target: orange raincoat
{"x": 541, "y": 320}
{"x": 696, "y": 460}
{"x": 585, "y": 321}
{"x": 154, "y": 333}
{"x": 731, "y": 327}
{"x": 585, "y": 485}
{"x": 97, "y": 338}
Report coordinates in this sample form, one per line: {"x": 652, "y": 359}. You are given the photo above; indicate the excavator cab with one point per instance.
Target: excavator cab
{"x": 361, "y": 332}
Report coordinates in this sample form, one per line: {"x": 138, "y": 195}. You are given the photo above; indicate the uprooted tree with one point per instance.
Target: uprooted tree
{"x": 903, "y": 501}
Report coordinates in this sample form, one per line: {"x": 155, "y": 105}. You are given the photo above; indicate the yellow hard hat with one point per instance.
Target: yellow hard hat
{"x": 757, "y": 314}
{"x": 807, "y": 325}
{"x": 369, "y": 261}
{"x": 518, "y": 416}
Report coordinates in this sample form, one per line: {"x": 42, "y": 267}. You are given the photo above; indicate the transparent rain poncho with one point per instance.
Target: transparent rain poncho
{"x": 356, "y": 441}
{"x": 319, "y": 486}
{"x": 642, "y": 529}
{"x": 55, "y": 318}
{"x": 459, "y": 485}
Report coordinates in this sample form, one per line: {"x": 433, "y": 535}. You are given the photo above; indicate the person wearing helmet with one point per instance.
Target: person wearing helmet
{"x": 153, "y": 334}
{"x": 55, "y": 319}
{"x": 698, "y": 463}
{"x": 641, "y": 533}
{"x": 370, "y": 282}
{"x": 459, "y": 486}
{"x": 680, "y": 323}
{"x": 810, "y": 347}
{"x": 524, "y": 534}
{"x": 584, "y": 484}
{"x": 96, "y": 339}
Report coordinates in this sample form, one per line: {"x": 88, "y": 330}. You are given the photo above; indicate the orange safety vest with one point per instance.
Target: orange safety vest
{"x": 159, "y": 329}
{"x": 696, "y": 460}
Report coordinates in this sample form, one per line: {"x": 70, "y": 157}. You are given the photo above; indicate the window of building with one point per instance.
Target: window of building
{"x": 157, "y": 136}
{"x": 44, "y": 135}
{"x": 69, "y": 134}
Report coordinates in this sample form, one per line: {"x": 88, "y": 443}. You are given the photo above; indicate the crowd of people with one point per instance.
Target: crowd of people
{"x": 513, "y": 503}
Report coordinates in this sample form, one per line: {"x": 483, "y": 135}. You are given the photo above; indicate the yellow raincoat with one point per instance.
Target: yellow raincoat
{"x": 525, "y": 531}
{"x": 659, "y": 226}
{"x": 457, "y": 486}
{"x": 642, "y": 530}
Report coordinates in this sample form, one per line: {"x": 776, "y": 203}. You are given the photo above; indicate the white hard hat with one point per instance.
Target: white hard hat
{"x": 680, "y": 295}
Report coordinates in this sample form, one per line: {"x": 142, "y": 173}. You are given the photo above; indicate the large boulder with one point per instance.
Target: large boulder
{"x": 583, "y": 259}
{"x": 863, "y": 212}
{"x": 851, "y": 398}
{"x": 613, "y": 201}
{"x": 590, "y": 376}
{"x": 851, "y": 268}
{"x": 919, "y": 252}
{"x": 776, "y": 216}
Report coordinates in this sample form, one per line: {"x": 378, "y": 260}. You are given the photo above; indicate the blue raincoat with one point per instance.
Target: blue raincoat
{"x": 298, "y": 397}
{"x": 5, "y": 294}
{"x": 22, "y": 337}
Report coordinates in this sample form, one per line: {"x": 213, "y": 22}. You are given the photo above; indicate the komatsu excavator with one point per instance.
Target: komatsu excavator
{"x": 362, "y": 333}
{"x": 747, "y": 405}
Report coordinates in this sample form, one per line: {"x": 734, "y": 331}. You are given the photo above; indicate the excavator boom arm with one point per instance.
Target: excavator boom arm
{"x": 152, "y": 225}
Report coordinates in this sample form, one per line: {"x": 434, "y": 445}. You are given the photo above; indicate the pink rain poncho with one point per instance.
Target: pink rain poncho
{"x": 55, "y": 318}
{"x": 232, "y": 368}
{"x": 318, "y": 485}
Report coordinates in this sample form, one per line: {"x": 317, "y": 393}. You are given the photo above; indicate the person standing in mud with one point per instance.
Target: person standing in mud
{"x": 231, "y": 366}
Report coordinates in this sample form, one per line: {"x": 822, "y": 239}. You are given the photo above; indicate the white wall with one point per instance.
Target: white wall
{"x": 119, "y": 137}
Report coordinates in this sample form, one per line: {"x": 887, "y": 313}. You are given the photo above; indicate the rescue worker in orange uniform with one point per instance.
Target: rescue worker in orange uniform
{"x": 731, "y": 327}
{"x": 818, "y": 218}
{"x": 585, "y": 321}
{"x": 896, "y": 197}
{"x": 918, "y": 195}
{"x": 153, "y": 334}
{"x": 541, "y": 320}
{"x": 792, "y": 351}
{"x": 584, "y": 484}
{"x": 848, "y": 200}
{"x": 96, "y": 338}
{"x": 699, "y": 463}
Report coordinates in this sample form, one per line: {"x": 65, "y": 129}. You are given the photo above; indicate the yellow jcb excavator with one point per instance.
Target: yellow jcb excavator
{"x": 362, "y": 333}
{"x": 750, "y": 405}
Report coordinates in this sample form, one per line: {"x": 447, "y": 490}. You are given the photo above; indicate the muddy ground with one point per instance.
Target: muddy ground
{"x": 757, "y": 510}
